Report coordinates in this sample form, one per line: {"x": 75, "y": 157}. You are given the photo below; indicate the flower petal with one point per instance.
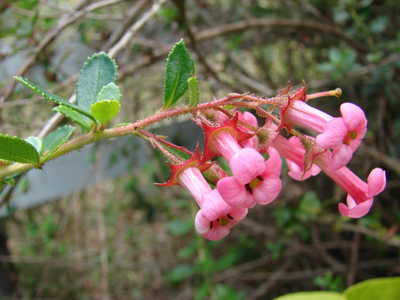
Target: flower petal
{"x": 376, "y": 181}
{"x": 249, "y": 118}
{"x": 232, "y": 191}
{"x": 353, "y": 116}
{"x": 246, "y": 165}
{"x": 214, "y": 206}
{"x": 334, "y": 132}
{"x": 353, "y": 210}
{"x": 267, "y": 191}
{"x": 340, "y": 157}
{"x": 214, "y": 232}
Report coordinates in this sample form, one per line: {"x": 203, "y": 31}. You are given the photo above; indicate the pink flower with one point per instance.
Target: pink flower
{"x": 360, "y": 194}
{"x": 343, "y": 134}
{"x": 254, "y": 180}
{"x": 215, "y": 217}
{"x": 223, "y": 140}
{"x": 294, "y": 152}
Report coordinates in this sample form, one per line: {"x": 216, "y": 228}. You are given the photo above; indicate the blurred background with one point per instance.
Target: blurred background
{"x": 122, "y": 237}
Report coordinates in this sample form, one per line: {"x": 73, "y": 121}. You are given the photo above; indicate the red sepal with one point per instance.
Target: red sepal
{"x": 176, "y": 170}
{"x": 211, "y": 132}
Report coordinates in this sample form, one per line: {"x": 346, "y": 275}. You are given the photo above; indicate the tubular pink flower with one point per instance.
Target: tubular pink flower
{"x": 360, "y": 194}
{"x": 302, "y": 114}
{"x": 343, "y": 134}
{"x": 254, "y": 180}
{"x": 294, "y": 153}
{"x": 214, "y": 211}
{"x": 223, "y": 140}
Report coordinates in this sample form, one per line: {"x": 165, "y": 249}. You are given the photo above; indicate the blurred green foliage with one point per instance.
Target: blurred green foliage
{"x": 299, "y": 242}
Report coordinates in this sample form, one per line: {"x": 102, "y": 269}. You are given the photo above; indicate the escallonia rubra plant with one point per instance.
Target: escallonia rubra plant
{"x": 253, "y": 151}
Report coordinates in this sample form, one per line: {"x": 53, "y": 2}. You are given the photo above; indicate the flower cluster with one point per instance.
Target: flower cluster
{"x": 254, "y": 153}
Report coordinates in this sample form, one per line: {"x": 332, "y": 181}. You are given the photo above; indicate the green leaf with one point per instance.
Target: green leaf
{"x": 98, "y": 71}
{"x": 73, "y": 116}
{"x": 52, "y": 97}
{"x": 35, "y": 142}
{"x": 109, "y": 92}
{"x": 17, "y": 150}
{"x": 313, "y": 296}
{"x": 375, "y": 289}
{"x": 194, "y": 91}
{"x": 179, "y": 69}
{"x": 104, "y": 111}
{"x": 55, "y": 139}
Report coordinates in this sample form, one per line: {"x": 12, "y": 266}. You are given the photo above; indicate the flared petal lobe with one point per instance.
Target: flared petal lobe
{"x": 219, "y": 228}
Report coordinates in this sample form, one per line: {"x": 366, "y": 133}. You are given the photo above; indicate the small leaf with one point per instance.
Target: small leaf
{"x": 55, "y": 139}
{"x": 312, "y": 296}
{"x": 98, "y": 71}
{"x": 73, "y": 116}
{"x": 35, "y": 142}
{"x": 46, "y": 94}
{"x": 375, "y": 289}
{"x": 104, "y": 111}
{"x": 194, "y": 91}
{"x": 109, "y": 92}
{"x": 179, "y": 68}
{"x": 17, "y": 150}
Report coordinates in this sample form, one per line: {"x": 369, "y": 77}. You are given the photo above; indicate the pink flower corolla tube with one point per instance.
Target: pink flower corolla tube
{"x": 254, "y": 180}
{"x": 223, "y": 140}
{"x": 294, "y": 153}
{"x": 360, "y": 194}
{"x": 343, "y": 134}
{"x": 215, "y": 217}
{"x": 300, "y": 113}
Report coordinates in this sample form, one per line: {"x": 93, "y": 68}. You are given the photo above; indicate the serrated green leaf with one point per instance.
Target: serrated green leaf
{"x": 98, "y": 71}
{"x": 312, "y": 296}
{"x": 17, "y": 150}
{"x": 109, "y": 92}
{"x": 179, "y": 68}
{"x": 104, "y": 111}
{"x": 375, "y": 289}
{"x": 55, "y": 139}
{"x": 57, "y": 99}
{"x": 193, "y": 91}
{"x": 35, "y": 142}
{"x": 73, "y": 116}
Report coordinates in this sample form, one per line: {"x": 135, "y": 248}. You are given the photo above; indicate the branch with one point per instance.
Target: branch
{"x": 122, "y": 43}
{"x": 279, "y": 23}
{"x": 61, "y": 25}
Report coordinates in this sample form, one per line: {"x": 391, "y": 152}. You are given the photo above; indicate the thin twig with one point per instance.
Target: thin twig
{"x": 123, "y": 42}
{"x": 133, "y": 30}
{"x": 49, "y": 38}
{"x": 280, "y": 23}
{"x": 275, "y": 276}
{"x": 351, "y": 274}
{"x": 128, "y": 19}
